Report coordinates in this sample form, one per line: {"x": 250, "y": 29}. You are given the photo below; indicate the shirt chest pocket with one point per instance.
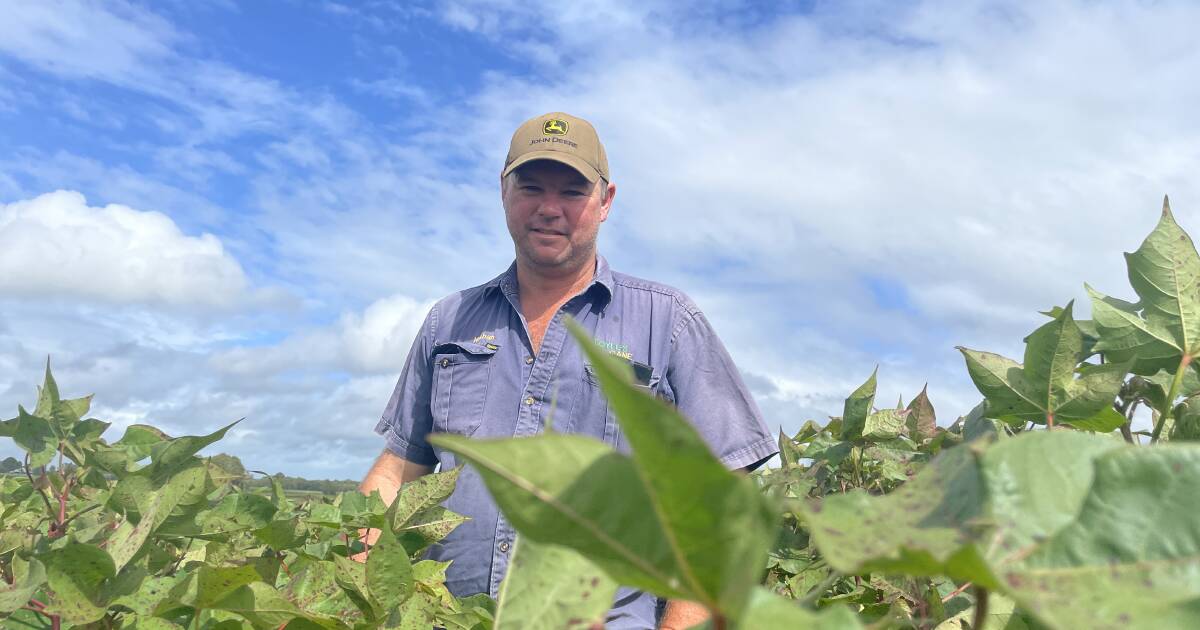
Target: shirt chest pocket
{"x": 591, "y": 413}
{"x": 461, "y": 374}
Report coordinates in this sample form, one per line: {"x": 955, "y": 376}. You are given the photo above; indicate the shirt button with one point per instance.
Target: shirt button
{"x": 504, "y": 547}
{"x": 528, "y": 360}
{"x": 529, "y": 400}
{"x": 445, "y": 362}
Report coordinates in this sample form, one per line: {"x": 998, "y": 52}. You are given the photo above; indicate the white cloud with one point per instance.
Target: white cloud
{"x": 378, "y": 340}
{"x": 85, "y": 39}
{"x": 57, "y": 245}
{"x": 375, "y": 341}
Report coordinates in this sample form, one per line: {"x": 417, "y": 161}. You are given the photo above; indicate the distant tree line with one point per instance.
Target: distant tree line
{"x": 233, "y": 466}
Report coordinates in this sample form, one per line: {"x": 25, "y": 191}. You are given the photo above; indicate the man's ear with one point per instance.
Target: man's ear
{"x": 607, "y": 205}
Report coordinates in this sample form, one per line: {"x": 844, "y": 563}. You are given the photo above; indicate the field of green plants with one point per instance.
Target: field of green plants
{"x": 1042, "y": 507}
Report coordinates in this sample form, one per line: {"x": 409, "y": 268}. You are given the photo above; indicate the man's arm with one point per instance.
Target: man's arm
{"x": 681, "y": 614}
{"x": 387, "y": 474}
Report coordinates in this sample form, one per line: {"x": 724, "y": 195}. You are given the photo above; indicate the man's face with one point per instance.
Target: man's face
{"x": 554, "y": 214}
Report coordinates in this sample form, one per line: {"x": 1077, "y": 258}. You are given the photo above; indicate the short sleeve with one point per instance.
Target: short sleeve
{"x": 708, "y": 389}
{"x": 407, "y": 419}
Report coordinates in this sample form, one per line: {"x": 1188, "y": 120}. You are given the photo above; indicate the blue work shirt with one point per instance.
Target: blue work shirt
{"x": 472, "y": 371}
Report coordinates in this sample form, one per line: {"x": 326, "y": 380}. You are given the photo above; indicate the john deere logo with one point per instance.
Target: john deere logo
{"x": 554, "y": 127}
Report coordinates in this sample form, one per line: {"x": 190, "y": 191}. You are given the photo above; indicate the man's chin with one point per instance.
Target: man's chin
{"x": 548, "y": 260}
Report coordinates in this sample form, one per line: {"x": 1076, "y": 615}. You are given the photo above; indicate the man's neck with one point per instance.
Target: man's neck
{"x": 540, "y": 290}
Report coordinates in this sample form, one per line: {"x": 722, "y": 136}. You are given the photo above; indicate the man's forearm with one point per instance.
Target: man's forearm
{"x": 682, "y": 614}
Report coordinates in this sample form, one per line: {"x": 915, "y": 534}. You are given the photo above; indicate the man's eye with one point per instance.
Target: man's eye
{"x": 573, "y": 193}
{"x": 530, "y": 189}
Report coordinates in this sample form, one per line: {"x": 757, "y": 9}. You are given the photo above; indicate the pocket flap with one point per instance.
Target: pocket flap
{"x": 642, "y": 373}
{"x": 466, "y": 347}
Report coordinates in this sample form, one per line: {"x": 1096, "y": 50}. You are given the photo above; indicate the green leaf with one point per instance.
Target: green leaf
{"x": 146, "y": 593}
{"x": 1002, "y": 614}
{"x": 1187, "y": 421}
{"x": 551, "y": 587}
{"x": 389, "y": 571}
{"x": 207, "y": 585}
{"x": 88, "y": 431}
{"x": 428, "y": 527}
{"x": 167, "y": 458}
{"x": 47, "y": 395}
{"x": 285, "y": 533}
{"x": 789, "y": 451}
{"x": 1153, "y": 388}
{"x": 260, "y": 604}
{"x": 352, "y": 577}
{"x": 421, "y": 494}
{"x": 28, "y": 577}
{"x": 1034, "y": 490}
{"x": 1165, "y": 324}
{"x": 575, "y": 491}
{"x": 417, "y": 613}
{"x": 924, "y": 527}
{"x": 139, "y": 440}
{"x": 768, "y": 610}
{"x": 858, "y": 406}
{"x": 75, "y": 574}
{"x": 1125, "y": 336}
{"x": 721, "y": 547}
{"x": 417, "y": 517}
{"x": 921, "y": 422}
{"x": 33, "y": 433}
{"x": 324, "y": 514}
{"x": 315, "y": 590}
{"x": 885, "y": 424}
{"x": 1046, "y": 386}
{"x": 140, "y": 622}
{"x": 1106, "y": 420}
{"x": 1131, "y": 558}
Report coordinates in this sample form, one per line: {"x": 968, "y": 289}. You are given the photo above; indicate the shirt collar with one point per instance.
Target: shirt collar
{"x": 507, "y": 281}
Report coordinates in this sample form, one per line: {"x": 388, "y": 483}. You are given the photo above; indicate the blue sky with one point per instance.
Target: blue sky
{"x": 211, "y": 210}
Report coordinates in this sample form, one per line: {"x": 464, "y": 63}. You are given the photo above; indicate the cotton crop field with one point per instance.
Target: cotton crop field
{"x": 1040, "y": 508}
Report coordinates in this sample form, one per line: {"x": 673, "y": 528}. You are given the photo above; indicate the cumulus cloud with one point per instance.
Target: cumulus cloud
{"x": 57, "y": 245}
{"x": 373, "y": 341}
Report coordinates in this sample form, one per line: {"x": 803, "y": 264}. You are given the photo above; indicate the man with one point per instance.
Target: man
{"x": 496, "y": 360}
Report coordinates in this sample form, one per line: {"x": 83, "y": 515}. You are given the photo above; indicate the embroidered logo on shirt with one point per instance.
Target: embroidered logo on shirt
{"x": 482, "y": 337}
{"x": 618, "y": 349}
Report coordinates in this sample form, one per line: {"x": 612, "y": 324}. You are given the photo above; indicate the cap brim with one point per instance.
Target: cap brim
{"x": 589, "y": 173}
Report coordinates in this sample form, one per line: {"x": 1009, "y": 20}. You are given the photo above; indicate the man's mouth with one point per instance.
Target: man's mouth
{"x": 545, "y": 231}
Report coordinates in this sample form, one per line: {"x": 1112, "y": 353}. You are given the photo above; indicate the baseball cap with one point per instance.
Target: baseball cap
{"x": 560, "y": 137}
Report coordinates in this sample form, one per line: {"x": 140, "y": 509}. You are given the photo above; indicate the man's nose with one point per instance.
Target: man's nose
{"x": 550, "y": 205}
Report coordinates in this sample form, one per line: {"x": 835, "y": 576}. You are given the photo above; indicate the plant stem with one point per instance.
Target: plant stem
{"x": 956, "y": 592}
{"x": 1126, "y": 410}
{"x": 1169, "y": 403}
{"x": 981, "y": 608}
{"x": 82, "y": 512}
{"x": 1049, "y": 420}
{"x": 29, "y": 474}
{"x": 61, "y": 525}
